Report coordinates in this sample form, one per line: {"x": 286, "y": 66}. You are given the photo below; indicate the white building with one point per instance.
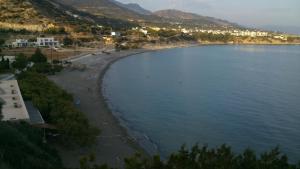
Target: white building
{"x": 43, "y": 42}
{"x": 10, "y": 58}
{"x": 115, "y": 34}
{"x": 281, "y": 37}
{"x": 144, "y": 31}
{"x": 13, "y": 108}
{"x": 20, "y": 43}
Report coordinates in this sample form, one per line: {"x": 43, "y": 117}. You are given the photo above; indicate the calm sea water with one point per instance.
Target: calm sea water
{"x": 244, "y": 96}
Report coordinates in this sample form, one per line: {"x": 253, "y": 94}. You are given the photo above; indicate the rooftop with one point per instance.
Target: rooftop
{"x": 13, "y": 105}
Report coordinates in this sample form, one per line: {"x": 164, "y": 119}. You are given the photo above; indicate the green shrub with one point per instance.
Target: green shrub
{"x": 57, "y": 108}
{"x": 22, "y": 147}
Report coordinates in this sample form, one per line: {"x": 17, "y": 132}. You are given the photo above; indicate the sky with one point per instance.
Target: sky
{"x": 273, "y": 14}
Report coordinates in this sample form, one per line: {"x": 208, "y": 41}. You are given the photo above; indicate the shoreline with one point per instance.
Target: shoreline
{"x": 97, "y": 67}
{"x": 104, "y": 100}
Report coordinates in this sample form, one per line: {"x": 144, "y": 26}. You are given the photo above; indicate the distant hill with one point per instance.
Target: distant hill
{"x": 193, "y": 19}
{"x": 133, "y": 7}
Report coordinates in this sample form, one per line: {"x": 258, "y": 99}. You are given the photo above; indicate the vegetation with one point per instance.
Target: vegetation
{"x": 204, "y": 158}
{"x": 57, "y": 108}
{"x": 4, "y": 65}
{"x": 1, "y": 105}
{"x": 38, "y": 57}
{"x": 22, "y": 147}
{"x": 214, "y": 38}
{"x": 60, "y": 30}
{"x": 293, "y": 39}
{"x": 21, "y": 62}
{"x": 68, "y": 41}
{"x": 14, "y": 31}
{"x": 2, "y": 41}
{"x": 166, "y": 33}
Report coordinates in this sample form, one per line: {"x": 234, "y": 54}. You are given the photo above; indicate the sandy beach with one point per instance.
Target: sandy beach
{"x": 113, "y": 144}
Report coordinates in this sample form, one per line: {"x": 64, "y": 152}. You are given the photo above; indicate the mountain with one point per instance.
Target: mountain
{"x": 105, "y": 8}
{"x": 135, "y": 13}
{"x": 133, "y": 7}
{"x": 36, "y": 15}
{"x": 79, "y": 14}
{"x": 192, "y": 19}
{"x": 137, "y": 8}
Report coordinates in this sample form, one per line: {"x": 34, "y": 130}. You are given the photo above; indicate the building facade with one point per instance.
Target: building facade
{"x": 20, "y": 43}
{"x": 49, "y": 41}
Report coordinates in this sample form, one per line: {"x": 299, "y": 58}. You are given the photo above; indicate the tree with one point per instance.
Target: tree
{"x": 38, "y": 57}
{"x": 22, "y": 147}
{"x": 1, "y": 43}
{"x": 4, "y": 64}
{"x": 68, "y": 41}
{"x": 1, "y": 105}
{"x": 21, "y": 62}
{"x": 57, "y": 108}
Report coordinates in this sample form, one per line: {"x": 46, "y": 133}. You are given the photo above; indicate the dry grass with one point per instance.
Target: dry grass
{"x": 50, "y": 54}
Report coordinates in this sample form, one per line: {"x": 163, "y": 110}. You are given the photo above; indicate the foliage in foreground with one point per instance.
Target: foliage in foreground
{"x": 57, "y": 108}
{"x": 22, "y": 147}
{"x": 204, "y": 158}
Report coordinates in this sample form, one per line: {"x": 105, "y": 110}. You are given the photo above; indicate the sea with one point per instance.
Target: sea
{"x": 240, "y": 95}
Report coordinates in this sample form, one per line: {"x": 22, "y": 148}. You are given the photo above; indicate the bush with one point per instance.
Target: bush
{"x": 4, "y": 65}
{"x": 60, "y": 30}
{"x": 68, "y": 41}
{"x": 22, "y": 147}
{"x": 219, "y": 158}
{"x": 20, "y": 62}
{"x": 214, "y": 38}
{"x": 38, "y": 57}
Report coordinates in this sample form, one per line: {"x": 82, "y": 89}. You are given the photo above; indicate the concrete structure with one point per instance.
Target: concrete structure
{"x": 34, "y": 114}
{"x": 13, "y": 108}
{"x": 43, "y": 42}
{"x": 20, "y": 43}
{"x": 10, "y": 58}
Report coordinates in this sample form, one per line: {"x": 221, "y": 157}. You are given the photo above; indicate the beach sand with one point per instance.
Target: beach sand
{"x": 113, "y": 144}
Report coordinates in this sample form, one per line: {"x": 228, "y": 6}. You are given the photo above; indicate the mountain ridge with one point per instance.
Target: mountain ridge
{"x": 135, "y": 7}
{"x": 118, "y": 10}
{"x": 189, "y": 18}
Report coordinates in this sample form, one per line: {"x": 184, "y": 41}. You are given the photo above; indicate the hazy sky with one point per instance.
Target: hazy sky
{"x": 246, "y": 12}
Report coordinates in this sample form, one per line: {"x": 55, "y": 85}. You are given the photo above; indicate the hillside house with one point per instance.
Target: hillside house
{"x": 20, "y": 43}
{"x": 49, "y": 41}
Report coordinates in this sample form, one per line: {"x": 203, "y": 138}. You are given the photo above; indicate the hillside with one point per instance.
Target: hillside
{"x": 105, "y": 8}
{"x": 36, "y": 15}
{"x": 192, "y": 19}
{"x": 16, "y": 14}
{"x": 134, "y": 12}
{"x": 133, "y": 7}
